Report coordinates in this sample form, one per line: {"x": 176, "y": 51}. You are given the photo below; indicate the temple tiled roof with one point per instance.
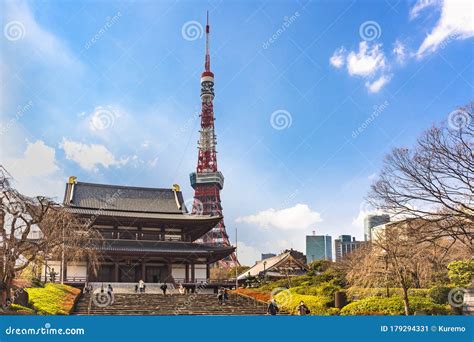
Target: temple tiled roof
{"x": 124, "y": 198}
{"x": 164, "y": 247}
{"x": 273, "y": 266}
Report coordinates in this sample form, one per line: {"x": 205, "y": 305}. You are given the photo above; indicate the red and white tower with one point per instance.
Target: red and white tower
{"x": 208, "y": 181}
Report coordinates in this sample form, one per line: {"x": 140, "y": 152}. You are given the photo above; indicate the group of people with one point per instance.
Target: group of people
{"x": 140, "y": 287}
{"x": 273, "y": 308}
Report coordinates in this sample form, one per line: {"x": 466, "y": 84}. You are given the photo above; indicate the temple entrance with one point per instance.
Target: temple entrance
{"x": 128, "y": 274}
{"x": 153, "y": 274}
{"x": 106, "y": 273}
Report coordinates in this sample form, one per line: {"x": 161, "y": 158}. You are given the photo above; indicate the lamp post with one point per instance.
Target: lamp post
{"x": 264, "y": 269}
{"x": 236, "y": 267}
{"x": 386, "y": 274}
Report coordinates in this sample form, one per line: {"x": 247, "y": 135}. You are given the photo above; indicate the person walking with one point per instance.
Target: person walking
{"x": 110, "y": 290}
{"x": 220, "y": 297}
{"x": 272, "y": 308}
{"x": 303, "y": 310}
{"x": 141, "y": 286}
{"x": 225, "y": 296}
{"x": 181, "y": 289}
{"x": 163, "y": 288}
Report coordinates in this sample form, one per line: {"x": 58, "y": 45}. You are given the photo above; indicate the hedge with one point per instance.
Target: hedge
{"x": 53, "y": 299}
{"x": 394, "y": 306}
{"x": 357, "y": 293}
{"x": 22, "y": 309}
{"x": 289, "y": 300}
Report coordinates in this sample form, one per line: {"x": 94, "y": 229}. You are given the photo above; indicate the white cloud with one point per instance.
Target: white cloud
{"x": 375, "y": 86}
{"x": 456, "y": 23}
{"x": 421, "y": 5}
{"x": 247, "y": 254}
{"x": 298, "y": 217}
{"x": 399, "y": 50}
{"x": 337, "y": 59}
{"x": 36, "y": 40}
{"x": 89, "y": 157}
{"x": 36, "y": 172}
{"x": 367, "y": 61}
{"x": 103, "y": 117}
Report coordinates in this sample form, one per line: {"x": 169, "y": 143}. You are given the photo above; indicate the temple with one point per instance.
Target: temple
{"x": 147, "y": 234}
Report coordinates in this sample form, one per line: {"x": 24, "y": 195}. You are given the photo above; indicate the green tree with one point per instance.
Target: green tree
{"x": 461, "y": 272}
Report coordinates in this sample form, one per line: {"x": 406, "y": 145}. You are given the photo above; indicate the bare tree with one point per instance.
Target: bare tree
{"x": 434, "y": 181}
{"x": 56, "y": 231}
{"x": 402, "y": 256}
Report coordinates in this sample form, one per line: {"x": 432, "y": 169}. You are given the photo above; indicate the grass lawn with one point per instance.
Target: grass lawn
{"x": 53, "y": 299}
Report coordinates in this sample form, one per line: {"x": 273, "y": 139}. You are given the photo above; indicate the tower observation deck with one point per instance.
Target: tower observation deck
{"x": 208, "y": 181}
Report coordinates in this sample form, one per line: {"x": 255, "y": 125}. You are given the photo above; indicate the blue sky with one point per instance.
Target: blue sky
{"x": 310, "y": 96}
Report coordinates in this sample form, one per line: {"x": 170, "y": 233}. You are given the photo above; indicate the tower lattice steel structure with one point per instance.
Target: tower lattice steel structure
{"x": 208, "y": 181}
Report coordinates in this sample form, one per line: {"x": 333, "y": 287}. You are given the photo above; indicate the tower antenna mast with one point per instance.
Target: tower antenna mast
{"x": 208, "y": 181}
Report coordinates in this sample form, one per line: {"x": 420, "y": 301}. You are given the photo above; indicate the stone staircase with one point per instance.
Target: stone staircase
{"x": 157, "y": 304}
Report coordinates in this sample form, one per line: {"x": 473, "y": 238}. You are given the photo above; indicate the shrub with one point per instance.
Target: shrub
{"x": 326, "y": 289}
{"x": 22, "y": 309}
{"x": 288, "y": 300}
{"x": 461, "y": 272}
{"x": 439, "y": 294}
{"x": 356, "y": 293}
{"x": 393, "y": 306}
{"x": 53, "y": 299}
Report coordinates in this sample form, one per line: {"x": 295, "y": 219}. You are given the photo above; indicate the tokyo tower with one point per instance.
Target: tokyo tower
{"x": 208, "y": 181}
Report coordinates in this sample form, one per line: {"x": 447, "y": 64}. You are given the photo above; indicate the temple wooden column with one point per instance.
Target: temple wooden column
{"x": 193, "y": 278}
{"x": 116, "y": 272}
{"x": 169, "y": 271}
{"x": 208, "y": 272}
{"x": 143, "y": 275}
{"x": 186, "y": 273}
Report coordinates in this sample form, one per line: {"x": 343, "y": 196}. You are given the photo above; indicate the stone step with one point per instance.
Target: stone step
{"x": 158, "y": 304}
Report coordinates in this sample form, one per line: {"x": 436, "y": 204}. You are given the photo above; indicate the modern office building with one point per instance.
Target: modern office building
{"x": 318, "y": 247}
{"x": 344, "y": 245}
{"x": 372, "y": 221}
